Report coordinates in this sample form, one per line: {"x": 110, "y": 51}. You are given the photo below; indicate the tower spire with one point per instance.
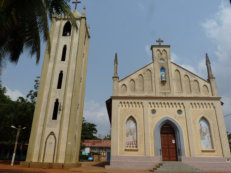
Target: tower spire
{"x": 209, "y": 69}
{"x": 115, "y": 65}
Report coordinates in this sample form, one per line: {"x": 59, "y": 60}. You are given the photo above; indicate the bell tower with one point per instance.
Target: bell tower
{"x": 57, "y": 123}
{"x": 162, "y": 72}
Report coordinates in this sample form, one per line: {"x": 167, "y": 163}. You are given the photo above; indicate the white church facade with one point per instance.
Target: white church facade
{"x": 163, "y": 112}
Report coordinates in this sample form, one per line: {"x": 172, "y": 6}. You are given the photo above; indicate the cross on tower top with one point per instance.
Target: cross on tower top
{"x": 159, "y": 41}
{"x": 76, "y": 3}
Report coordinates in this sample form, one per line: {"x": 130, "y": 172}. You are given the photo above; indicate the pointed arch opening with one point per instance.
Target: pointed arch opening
{"x": 205, "y": 134}
{"x": 132, "y": 85}
{"x": 178, "y": 83}
{"x": 67, "y": 29}
{"x": 60, "y": 80}
{"x": 196, "y": 87}
{"x": 140, "y": 83}
{"x": 64, "y": 53}
{"x": 55, "y": 111}
{"x": 148, "y": 80}
{"x": 131, "y": 133}
{"x": 187, "y": 84}
{"x": 49, "y": 149}
{"x": 179, "y": 141}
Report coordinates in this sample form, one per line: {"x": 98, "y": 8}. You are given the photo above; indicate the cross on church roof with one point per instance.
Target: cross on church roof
{"x": 159, "y": 41}
{"x": 76, "y": 3}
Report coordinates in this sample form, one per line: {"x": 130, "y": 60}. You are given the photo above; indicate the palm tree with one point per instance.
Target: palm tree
{"x": 24, "y": 22}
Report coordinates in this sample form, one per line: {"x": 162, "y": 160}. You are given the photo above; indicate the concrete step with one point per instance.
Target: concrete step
{"x": 175, "y": 167}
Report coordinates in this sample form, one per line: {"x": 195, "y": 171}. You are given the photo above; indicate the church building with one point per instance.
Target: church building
{"x": 57, "y": 123}
{"x": 164, "y": 112}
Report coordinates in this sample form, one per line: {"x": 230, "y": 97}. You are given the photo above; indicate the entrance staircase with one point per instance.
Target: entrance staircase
{"x": 174, "y": 167}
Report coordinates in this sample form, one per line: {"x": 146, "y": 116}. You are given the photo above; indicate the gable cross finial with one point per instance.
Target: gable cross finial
{"x": 76, "y": 3}
{"x": 159, "y": 41}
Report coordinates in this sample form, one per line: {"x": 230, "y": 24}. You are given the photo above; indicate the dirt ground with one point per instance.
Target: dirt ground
{"x": 85, "y": 168}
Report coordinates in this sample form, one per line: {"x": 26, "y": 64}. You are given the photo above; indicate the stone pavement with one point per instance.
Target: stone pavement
{"x": 85, "y": 168}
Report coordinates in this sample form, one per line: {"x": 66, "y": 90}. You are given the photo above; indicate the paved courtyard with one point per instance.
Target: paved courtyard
{"x": 85, "y": 168}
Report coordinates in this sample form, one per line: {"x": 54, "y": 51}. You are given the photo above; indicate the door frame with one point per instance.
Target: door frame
{"x": 178, "y": 135}
{"x": 168, "y": 134}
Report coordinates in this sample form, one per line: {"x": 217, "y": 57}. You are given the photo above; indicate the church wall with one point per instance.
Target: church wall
{"x": 197, "y": 87}
{"x": 205, "y": 110}
{"x": 131, "y": 109}
{"x": 166, "y": 109}
{"x": 138, "y": 83}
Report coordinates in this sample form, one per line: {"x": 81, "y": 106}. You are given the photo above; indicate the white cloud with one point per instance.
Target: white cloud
{"x": 218, "y": 29}
{"x": 14, "y": 94}
{"x": 174, "y": 57}
{"x": 96, "y": 113}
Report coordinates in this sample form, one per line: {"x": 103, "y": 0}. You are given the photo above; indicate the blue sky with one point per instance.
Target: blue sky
{"x": 130, "y": 27}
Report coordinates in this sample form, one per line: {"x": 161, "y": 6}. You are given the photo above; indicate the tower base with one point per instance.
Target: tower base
{"x": 49, "y": 165}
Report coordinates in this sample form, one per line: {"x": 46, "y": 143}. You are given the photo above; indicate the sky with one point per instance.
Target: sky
{"x": 130, "y": 27}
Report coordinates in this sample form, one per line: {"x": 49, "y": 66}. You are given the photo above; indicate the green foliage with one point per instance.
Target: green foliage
{"x": 107, "y": 137}
{"x": 16, "y": 113}
{"x": 229, "y": 139}
{"x": 88, "y": 130}
{"x": 32, "y": 95}
{"x": 24, "y": 22}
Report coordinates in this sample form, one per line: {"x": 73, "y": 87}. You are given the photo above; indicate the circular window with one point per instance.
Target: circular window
{"x": 179, "y": 111}
{"x": 153, "y": 111}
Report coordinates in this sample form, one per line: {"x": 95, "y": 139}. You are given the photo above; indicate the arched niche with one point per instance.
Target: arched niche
{"x": 162, "y": 74}
{"x": 148, "y": 81}
{"x": 140, "y": 83}
{"x": 123, "y": 89}
{"x": 132, "y": 85}
{"x": 205, "y": 90}
{"x": 187, "y": 84}
{"x": 165, "y": 54}
{"x": 205, "y": 134}
{"x": 196, "y": 87}
{"x": 49, "y": 149}
{"x": 131, "y": 133}
{"x": 178, "y": 84}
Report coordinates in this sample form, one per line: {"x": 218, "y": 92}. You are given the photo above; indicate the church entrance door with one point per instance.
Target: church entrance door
{"x": 168, "y": 143}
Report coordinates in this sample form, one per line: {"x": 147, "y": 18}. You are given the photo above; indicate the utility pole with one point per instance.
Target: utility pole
{"x": 16, "y": 142}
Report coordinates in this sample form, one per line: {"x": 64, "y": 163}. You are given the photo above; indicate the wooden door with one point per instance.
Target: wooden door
{"x": 168, "y": 143}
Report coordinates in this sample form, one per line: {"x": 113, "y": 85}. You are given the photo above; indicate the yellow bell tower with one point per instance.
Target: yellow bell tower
{"x": 57, "y": 123}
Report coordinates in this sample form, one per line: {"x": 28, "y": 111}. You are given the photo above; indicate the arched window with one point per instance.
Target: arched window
{"x": 64, "y": 53}
{"x": 67, "y": 29}
{"x": 131, "y": 133}
{"x": 60, "y": 80}
{"x": 162, "y": 74}
{"x": 205, "y": 134}
{"x": 55, "y": 111}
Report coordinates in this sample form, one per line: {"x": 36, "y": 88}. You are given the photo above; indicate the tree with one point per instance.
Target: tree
{"x": 16, "y": 113}
{"x": 23, "y": 22}
{"x": 32, "y": 95}
{"x": 88, "y": 130}
{"x": 229, "y": 139}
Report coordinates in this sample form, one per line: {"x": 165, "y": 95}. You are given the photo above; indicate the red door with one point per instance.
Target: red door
{"x": 168, "y": 143}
